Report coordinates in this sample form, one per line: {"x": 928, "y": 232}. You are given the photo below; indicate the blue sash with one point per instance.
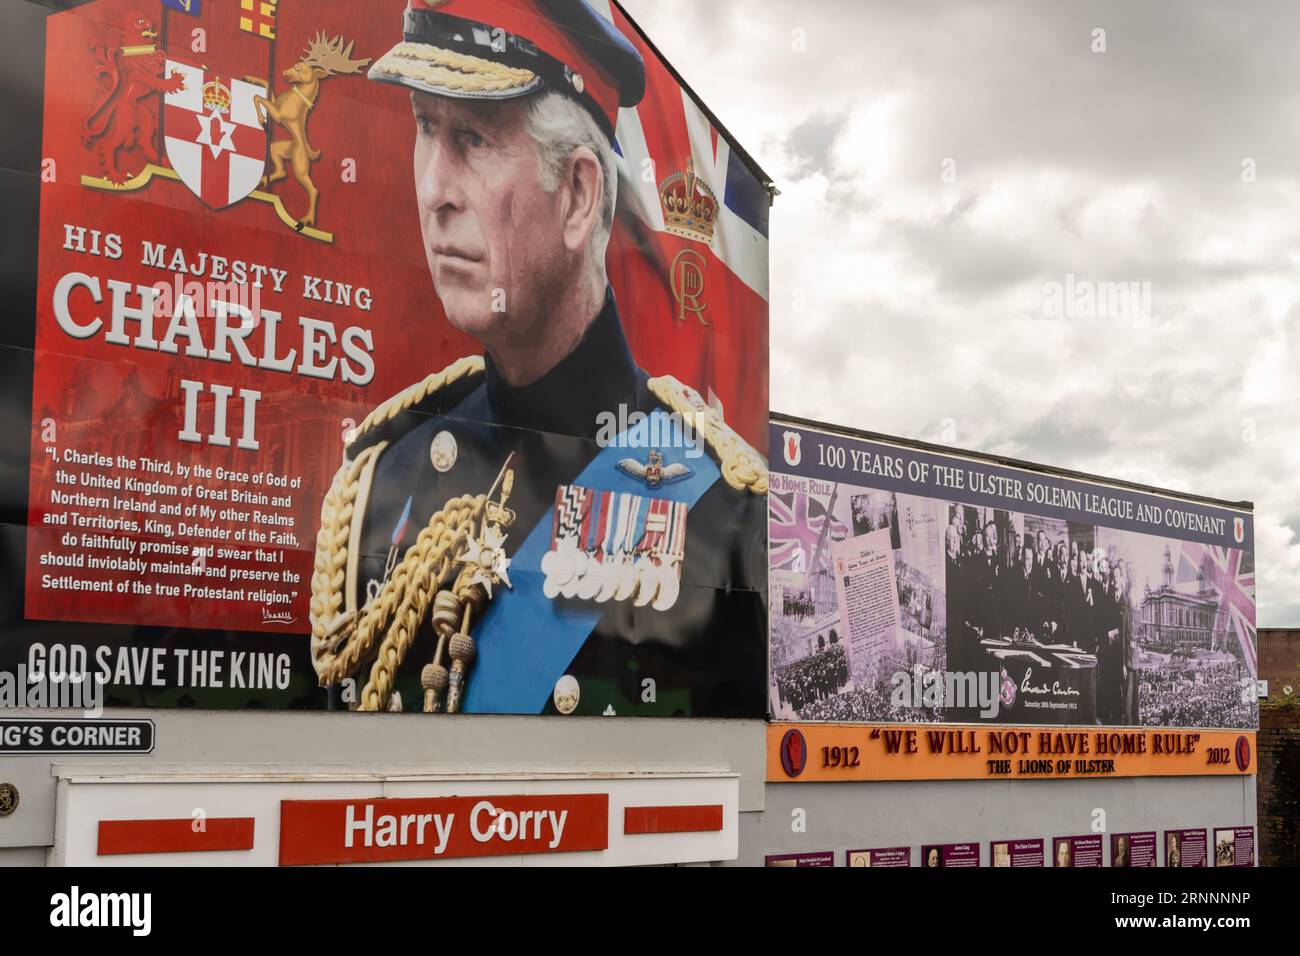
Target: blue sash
{"x": 525, "y": 640}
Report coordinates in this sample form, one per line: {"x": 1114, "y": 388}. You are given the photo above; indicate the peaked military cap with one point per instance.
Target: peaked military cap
{"x": 503, "y": 49}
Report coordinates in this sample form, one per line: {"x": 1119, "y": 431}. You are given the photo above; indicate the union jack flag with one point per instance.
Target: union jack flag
{"x": 1227, "y": 572}
{"x": 657, "y": 140}
{"x": 795, "y": 523}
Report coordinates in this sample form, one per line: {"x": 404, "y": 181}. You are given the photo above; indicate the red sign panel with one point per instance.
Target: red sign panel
{"x": 439, "y": 828}
{"x": 695, "y": 819}
{"x": 182, "y": 835}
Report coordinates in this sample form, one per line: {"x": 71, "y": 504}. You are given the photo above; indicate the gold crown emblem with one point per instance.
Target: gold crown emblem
{"x": 690, "y": 208}
{"x": 217, "y": 96}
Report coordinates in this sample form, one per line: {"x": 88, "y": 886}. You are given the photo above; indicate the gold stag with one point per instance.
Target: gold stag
{"x": 322, "y": 58}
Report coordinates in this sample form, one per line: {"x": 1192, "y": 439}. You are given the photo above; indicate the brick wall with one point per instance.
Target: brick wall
{"x": 1279, "y": 749}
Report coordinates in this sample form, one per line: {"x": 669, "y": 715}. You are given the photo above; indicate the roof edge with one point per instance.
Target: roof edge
{"x": 768, "y": 183}
{"x": 777, "y": 417}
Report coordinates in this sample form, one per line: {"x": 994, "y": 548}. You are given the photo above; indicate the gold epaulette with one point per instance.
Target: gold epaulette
{"x": 413, "y": 395}
{"x": 742, "y": 466}
{"x": 334, "y": 612}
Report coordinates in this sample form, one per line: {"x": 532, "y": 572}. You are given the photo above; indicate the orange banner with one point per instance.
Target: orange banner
{"x": 818, "y": 753}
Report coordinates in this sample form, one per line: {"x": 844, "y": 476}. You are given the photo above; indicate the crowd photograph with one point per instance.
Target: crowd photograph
{"x": 810, "y": 682}
{"x": 1162, "y": 654}
{"x": 1087, "y": 605}
{"x": 1043, "y": 583}
{"x": 1215, "y": 695}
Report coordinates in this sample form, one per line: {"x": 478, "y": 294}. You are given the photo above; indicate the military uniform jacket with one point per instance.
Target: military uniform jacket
{"x": 703, "y": 656}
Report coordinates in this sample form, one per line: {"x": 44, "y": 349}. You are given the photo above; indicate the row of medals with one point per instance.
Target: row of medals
{"x": 643, "y": 578}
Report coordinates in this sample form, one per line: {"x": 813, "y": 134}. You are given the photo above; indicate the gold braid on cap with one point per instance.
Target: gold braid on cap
{"x": 342, "y": 642}
{"x": 449, "y": 70}
{"x": 742, "y": 466}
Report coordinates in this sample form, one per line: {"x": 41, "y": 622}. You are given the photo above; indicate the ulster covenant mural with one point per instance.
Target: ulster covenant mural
{"x": 910, "y": 585}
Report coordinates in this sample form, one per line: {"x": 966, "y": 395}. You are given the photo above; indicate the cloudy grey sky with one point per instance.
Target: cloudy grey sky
{"x": 942, "y": 162}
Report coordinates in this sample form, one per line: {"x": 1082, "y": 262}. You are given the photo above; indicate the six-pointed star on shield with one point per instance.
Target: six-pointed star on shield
{"x": 214, "y": 139}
